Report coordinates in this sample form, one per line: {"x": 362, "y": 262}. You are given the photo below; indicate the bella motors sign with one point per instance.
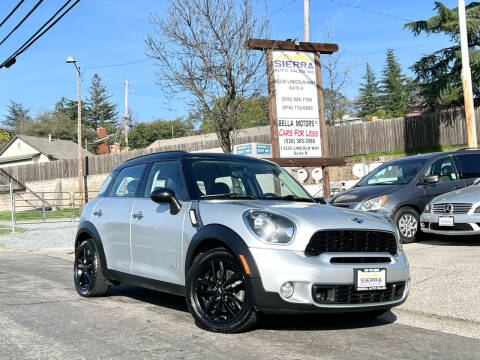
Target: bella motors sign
{"x": 296, "y": 104}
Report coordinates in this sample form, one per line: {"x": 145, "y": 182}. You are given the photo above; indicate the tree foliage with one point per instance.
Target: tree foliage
{"x": 143, "y": 134}
{"x": 439, "y": 74}
{"x": 394, "y": 87}
{"x": 18, "y": 116}
{"x": 61, "y": 123}
{"x": 99, "y": 110}
{"x": 199, "y": 50}
{"x": 369, "y": 94}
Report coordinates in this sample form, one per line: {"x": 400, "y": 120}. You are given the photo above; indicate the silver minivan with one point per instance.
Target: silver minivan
{"x": 236, "y": 236}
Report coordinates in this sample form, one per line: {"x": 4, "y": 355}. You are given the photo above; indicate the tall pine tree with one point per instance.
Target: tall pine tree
{"x": 18, "y": 116}
{"x": 393, "y": 87}
{"x": 369, "y": 100}
{"x": 100, "y": 111}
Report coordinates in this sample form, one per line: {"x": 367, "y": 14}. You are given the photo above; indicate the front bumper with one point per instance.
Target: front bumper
{"x": 277, "y": 267}
{"x": 464, "y": 224}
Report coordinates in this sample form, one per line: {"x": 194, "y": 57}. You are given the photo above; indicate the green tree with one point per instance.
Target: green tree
{"x": 61, "y": 123}
{"x": 439, "y": 74}
{"x": 369, "y": 94}
{"x": 252, "y": 112}
{"x": 4, "y": 137}
{"x": 393, "y": 87}
{"x": 143, "y": 134}
{"x": 18, "y": 116}
{"x": 99, "y": 110}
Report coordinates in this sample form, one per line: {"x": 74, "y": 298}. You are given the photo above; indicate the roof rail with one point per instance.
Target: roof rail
{"x": 465, "y": 149}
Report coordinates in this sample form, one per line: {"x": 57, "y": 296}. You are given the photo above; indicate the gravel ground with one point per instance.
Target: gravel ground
{"x": 58, "y": 235}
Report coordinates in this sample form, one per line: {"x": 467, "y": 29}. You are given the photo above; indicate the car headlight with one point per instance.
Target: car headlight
{"x": 477, "y": 210}
{"x": 271, "y": 228}
{"x": 428, "y": 208}
{"x": 373, "y": 204}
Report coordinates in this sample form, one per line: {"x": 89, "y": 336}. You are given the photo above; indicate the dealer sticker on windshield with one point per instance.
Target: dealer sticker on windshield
{"x": 370, "y": 279}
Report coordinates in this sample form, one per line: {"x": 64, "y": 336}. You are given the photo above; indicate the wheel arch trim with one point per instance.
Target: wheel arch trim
{"x": 86, "y": 230}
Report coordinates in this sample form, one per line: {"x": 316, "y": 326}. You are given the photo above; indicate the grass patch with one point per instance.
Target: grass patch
{"x": 423, "y": 150}
{"x": 37, "y": 215}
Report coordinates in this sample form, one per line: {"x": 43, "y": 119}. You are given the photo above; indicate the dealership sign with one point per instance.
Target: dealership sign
{"x": 296, "y": 100}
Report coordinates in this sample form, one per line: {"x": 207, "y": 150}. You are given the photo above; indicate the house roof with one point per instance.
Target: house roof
{"x": 56, "y": 149}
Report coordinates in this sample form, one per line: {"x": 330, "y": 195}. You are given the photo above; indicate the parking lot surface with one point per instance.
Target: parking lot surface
{"x": 41, "y": 316}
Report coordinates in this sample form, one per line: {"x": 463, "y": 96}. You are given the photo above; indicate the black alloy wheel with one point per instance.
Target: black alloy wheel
{"x": 217, "y": 293}
{"x": 87, "y": 274}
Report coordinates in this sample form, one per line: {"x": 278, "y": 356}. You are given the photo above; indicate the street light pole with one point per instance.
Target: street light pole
{"x": 467, "y": 78}
{"x": 72, "y": 60}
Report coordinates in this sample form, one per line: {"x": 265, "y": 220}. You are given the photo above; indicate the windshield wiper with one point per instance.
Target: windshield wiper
{"x": 228, "y": 196}
{"x": 287, "y": 197}
{"x": 384, "y": 183}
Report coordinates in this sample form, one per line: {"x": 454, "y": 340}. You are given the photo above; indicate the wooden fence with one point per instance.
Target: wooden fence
{"x": 443, "y": 128}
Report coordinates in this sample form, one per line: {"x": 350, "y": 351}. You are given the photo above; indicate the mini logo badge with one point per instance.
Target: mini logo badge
{"x": 356, "y": 220}
{"x": 448, "y": 209}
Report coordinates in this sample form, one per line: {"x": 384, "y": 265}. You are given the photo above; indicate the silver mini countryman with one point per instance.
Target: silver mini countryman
{"x": 236, "y": 236}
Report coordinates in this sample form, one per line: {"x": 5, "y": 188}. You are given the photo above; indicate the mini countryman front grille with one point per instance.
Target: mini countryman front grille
{"x": 351, "y": 241}
{"x": 456, "y": 227}
{"x": 451, "y": 208}
{"x": 346, "y": 294}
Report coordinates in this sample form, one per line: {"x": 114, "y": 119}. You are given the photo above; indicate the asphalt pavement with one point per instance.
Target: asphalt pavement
{"x": 42, "y": 317}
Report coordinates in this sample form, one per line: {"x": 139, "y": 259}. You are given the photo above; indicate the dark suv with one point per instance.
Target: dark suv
{"x": 401, "y": 188}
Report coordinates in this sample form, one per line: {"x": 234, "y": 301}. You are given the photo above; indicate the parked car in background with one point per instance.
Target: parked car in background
{"x": 453, "y": 213}
{"x": 401, "y": 188}
{"x": 237, "y": 236}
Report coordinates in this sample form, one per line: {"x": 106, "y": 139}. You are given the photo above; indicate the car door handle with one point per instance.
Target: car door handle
{"x": 138, "y": 215}
{"x": 98, "y": 213}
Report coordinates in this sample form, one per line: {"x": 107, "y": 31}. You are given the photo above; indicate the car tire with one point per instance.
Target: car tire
{"x": 217, "y": 293}
{"x": 88, "y": 276}
{"x": 407, "y": 221}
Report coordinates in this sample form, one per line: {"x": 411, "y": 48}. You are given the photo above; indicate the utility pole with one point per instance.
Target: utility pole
{"x": 306, "y": 19}
{"x": 467, "y": 78}
{"x": 126, "y": 119}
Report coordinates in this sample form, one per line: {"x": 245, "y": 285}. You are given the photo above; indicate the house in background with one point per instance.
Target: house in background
{"x": 23, "y": 150}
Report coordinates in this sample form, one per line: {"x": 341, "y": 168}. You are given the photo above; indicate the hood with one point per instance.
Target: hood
{"x": 468, "y": 195}
{"x": 308, "y": 218}
{"x": 360, "y": 193}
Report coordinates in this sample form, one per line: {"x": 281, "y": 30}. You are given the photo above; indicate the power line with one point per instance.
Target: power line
{"x": 283, "y": 7}
{"x": 11, "y": 12}
{"x": 371, "y": 11}
{"x": 114, "y": 65}
{"x": 12, "y": 58}
{"x": 21, "y": 21}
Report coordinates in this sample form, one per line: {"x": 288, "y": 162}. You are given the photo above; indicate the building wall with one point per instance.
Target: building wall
{"x": 18, "y": 148}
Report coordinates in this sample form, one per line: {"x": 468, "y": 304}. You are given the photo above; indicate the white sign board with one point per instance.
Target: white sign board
{"x": 297, "y": 104}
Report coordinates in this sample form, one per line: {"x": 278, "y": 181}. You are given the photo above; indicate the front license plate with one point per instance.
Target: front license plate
{"x": 370, "y": 279}
{"x": 445, "y": 221}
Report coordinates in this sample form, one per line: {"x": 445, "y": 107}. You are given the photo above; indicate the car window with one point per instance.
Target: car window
{"x": 165, "y": 174}
{"x": 270, "y": 185}
{"x": 235, "y": 184}
{"x": 469, "y": 165}
{"x": 397, "y": 173}
{"x": 105, "y": 184}
{"x": 444, "y": 168}
{"x": 128, "y": 181}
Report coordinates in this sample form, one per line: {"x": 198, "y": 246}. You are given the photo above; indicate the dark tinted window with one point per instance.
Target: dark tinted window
{"x": 444, "y": 168}
{"x": 469, "y": 165}
{"x": 128, "y": 181}
{"x": 165, "y": 175}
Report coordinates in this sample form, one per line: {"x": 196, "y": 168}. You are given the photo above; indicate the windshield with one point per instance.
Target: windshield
{"x": 239, "y": 179}
{"x": 398, "y": 173}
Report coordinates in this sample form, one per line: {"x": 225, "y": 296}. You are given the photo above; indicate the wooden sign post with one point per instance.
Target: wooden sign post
{"x": 298, "y": 130}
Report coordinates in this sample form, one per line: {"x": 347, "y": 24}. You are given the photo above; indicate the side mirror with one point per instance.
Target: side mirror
{"x": 166, "y": 196}
{"x": 432, "y": 179}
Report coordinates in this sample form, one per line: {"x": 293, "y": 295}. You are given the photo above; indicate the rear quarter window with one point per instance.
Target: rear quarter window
{"x": 468, "y": 165}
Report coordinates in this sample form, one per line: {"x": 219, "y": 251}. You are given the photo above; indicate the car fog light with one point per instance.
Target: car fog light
{"x": 286, "y": 290}
{"x": 422, "y": 225}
